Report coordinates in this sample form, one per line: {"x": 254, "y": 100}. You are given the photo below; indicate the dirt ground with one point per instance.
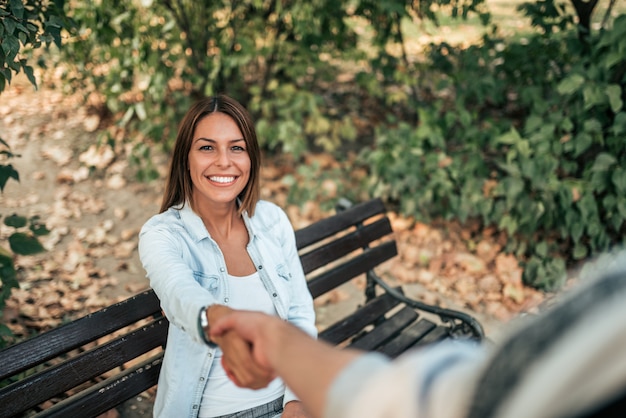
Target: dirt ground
{"x": 86, "y": 194}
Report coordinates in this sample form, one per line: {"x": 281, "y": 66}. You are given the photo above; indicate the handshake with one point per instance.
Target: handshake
{"x": 248, "y": 340}
{"x": 258, "y": 348}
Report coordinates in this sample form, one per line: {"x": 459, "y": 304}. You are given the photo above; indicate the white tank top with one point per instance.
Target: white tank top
{"x": 221, "y": 396}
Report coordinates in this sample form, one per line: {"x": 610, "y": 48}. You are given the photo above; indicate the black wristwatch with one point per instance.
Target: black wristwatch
{"x": 203, "y": 327}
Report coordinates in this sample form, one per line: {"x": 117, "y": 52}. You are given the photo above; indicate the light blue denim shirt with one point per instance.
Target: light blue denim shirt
{"x": 187, "y": 271}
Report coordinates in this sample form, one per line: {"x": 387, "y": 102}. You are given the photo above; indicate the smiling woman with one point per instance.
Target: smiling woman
{"x": 215, "y": 247}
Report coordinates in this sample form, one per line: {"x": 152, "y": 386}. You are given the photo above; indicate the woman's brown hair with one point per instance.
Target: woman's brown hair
{"x": 179, "y": 186}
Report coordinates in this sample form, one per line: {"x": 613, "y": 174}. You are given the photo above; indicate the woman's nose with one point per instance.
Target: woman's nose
{"x": 223, "y": 159}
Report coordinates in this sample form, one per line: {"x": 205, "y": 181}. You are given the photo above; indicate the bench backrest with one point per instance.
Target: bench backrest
{"x": 337, "y": 249}
{"x": 63, "y": 359}
{"x": 333, "y": 251}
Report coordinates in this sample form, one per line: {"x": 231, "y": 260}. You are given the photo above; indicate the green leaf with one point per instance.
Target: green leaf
{"x": 140, "y": 110}
{"x": 614, "y": 93}
{"x": 24, "y": 244}
{"x": 603, "y": 162}
{"x": 580, "y": 252}
{"x": 28, "y": 70}
{"x": 16, "y": 221}
{"x": 621, "y": 208}
{"x": 567, "y": 125}
{"x": 612, "y": 58}
{"x": 509, "y": 224}
{"x": 582, "y": 142}
{"x": 541, "y": 249}
{"x": 619, "y": 124}
{"x": 593, "y": 96}
{"x": 8, "y": 276}
{"x": 576, "y": 231}
{"x": 37, "y": 227}
{"x": 4, "y": 330}
{"x": 9, "y": 26}
{"x": 10, "y": 46}
{"x": 571, "y": 84}
{"x": 22, "y": 29}
{"x": 592, "y": 126}
{"x": 509, "y": 138}
{"x": 534, "y": 122}
{"x": 6, "y": 258}
{"x": 619, "y": 180}
{"x": 17, "y": 8}
{"x": 55, "y": 22}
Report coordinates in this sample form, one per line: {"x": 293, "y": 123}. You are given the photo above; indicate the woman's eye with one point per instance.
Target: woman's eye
{"x": 206, "y": 148}
{"x": 238, "y": 148}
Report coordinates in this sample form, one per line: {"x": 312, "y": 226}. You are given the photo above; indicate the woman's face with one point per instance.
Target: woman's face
{"x": 219, "y": 163}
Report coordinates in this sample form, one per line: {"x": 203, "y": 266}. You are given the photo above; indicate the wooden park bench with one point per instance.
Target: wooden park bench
{"x": 93, "y": 364}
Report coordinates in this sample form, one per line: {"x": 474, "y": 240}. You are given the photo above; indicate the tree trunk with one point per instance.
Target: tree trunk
{"x": 584, "y": 10}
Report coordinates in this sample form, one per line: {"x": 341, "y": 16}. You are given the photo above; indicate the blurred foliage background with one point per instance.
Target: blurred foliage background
{"x": 515, "y": 128}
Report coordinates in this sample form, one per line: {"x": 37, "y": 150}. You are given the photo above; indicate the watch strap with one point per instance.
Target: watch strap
{"x": 203, "y": 327}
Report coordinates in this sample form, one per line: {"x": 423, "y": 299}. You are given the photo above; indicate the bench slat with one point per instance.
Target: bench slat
{"x": 55, "y": 380}
{"x": 438, "y": 334}
{"x": 43, "y": 347}
{"x": 385, "y": 331}
{"x": 410, "y": 336}
{"x": 342, "y": 246}
{"x": 329, "y": 226}
{"x": 109, "y": 393}
{"x": 352, "y": 268}
{"x": 352, "y": 324}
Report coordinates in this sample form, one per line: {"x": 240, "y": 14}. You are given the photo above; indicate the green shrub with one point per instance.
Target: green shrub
{"x": 26, "y": 25}
{"x": 527, "y": 136}
{"x": 23, "y": 241}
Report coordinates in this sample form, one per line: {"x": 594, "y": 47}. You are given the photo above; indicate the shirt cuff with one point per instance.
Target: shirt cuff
{"x": 289, "y": 396}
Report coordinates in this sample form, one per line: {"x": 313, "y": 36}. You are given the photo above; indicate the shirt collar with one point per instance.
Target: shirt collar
{"x": 193, "y": 223}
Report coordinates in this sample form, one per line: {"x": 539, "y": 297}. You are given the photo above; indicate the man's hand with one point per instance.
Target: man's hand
{"x": 239, "y": 365}
{"x": 295, "y": 409}
{"x": 252, "y": 327}
{"x": 237, "y": 359}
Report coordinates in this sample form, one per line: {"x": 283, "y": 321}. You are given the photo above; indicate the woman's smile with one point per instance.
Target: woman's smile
{"x": 222, "y": 179}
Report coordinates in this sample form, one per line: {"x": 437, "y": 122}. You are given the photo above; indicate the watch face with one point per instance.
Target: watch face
{"x": 203, "y": 318}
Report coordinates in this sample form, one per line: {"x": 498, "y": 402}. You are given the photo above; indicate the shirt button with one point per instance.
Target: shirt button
{"x": 210, "y": 355}
{"x": 260, "y": 267}
{"x": 274, "y": 294}
{"x": 222, "y": 269}
{"x": 225, "y": 300}
{"x": 202, "y": 378}
{"x": 195, "y": 407}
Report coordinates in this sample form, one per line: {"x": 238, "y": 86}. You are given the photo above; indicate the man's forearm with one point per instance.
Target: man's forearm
{"x": 307, "y": 366}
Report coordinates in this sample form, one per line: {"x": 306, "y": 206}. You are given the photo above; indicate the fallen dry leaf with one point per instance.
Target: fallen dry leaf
{"x": 60, "y": 155}
{"x": 98, "y": 157}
